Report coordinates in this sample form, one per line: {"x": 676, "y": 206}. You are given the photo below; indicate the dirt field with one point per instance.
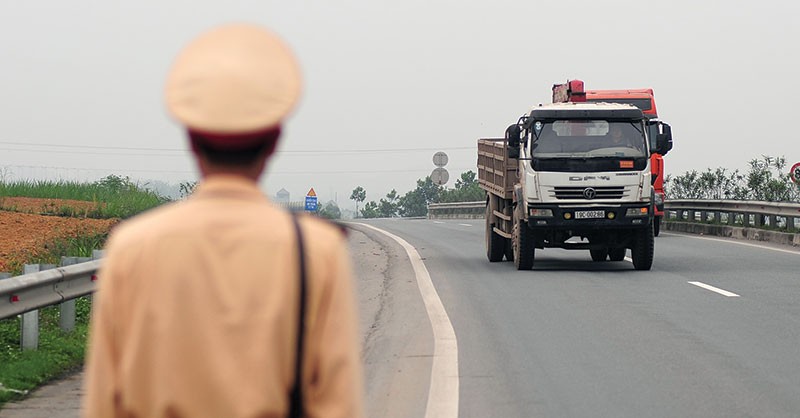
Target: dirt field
{"x": 24, "y": 232}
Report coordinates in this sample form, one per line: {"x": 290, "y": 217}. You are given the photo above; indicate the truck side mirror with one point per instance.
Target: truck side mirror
{"x": 664, "y": 139}
{"x": 513, "y": 133}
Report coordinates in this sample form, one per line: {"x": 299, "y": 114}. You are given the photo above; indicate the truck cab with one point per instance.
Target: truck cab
{"x": 584, "y": 182}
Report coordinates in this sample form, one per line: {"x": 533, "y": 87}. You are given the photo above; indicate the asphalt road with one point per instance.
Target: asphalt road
{"x": 575, "y": 338}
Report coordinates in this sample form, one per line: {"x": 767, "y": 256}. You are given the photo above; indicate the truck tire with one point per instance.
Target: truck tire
{"x": 643, "y": 248}
{"x": 617, "y": 254}
{"x": 495, "y": 244}
{"x": 509, "y": 250}
{"x": 522, "y": 243}
{"x": 656, "y": 225}
{"x": 599, "y": 255}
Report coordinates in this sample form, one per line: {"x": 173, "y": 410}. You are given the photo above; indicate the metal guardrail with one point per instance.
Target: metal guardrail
{"x": 21, "y": 294}
{"x": 457, "y": 210}
{"x": 732, "y": 212}
{"x": 735, "y": 212}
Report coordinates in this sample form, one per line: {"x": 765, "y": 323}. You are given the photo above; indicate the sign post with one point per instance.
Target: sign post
{"x": 311, "y": 201}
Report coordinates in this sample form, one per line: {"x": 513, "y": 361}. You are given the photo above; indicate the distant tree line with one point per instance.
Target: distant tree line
{"x": 767, "y": 180}
{"x": 414, "y": 202}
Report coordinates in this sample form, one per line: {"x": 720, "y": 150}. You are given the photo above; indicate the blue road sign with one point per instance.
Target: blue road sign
{"x": 311, "y": 203}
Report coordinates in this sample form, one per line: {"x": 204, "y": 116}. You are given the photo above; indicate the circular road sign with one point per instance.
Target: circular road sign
{"x": 440, "y": 176}
{"x": 440, "y": 159}
{"x": 795, "y": 173}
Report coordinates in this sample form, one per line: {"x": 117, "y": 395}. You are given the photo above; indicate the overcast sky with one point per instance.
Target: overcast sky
{"x": 387, "y": 84}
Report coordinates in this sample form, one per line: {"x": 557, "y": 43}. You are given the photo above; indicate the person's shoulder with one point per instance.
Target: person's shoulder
{"x": 322, "y": 232}
{"x": 322, "y": 226}
{"x": 149, "y": 223}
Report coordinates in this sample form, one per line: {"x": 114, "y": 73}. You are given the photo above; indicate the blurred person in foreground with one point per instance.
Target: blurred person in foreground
{"x": 198, "y": 306}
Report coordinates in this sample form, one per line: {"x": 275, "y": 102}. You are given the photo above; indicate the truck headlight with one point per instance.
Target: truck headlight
{"x": 541, "y": 212}
{"x": 636, "y": 212}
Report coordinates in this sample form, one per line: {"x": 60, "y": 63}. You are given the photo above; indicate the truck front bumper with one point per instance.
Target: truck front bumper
{"x": 595, "y": 217}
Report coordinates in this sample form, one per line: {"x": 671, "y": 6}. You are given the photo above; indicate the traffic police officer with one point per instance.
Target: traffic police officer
{"x": 196, "y": 314}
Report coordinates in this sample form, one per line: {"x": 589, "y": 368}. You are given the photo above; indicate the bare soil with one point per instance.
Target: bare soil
{"x": 24, "y": 232}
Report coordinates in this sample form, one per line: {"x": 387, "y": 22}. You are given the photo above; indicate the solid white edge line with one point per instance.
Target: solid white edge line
{"x": 438, "y": 222}
{"x": 715, "y": 289}
{"x": 746, "y": 244}
{"x": 443, "y": 393}
{"x": 465, "y": 224}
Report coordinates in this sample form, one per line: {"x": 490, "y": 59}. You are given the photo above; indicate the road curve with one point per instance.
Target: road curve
{"x": 579, "y": 338}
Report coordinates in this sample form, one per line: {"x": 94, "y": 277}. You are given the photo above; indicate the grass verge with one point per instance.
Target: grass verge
{"x": 114, "y": 196}
{"x": 59, "y": 352}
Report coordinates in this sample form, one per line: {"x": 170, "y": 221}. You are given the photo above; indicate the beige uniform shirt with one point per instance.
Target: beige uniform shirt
{"x": 196, "y": 313}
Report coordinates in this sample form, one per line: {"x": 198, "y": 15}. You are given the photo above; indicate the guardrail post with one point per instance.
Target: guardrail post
{"x": 29, "y": 322}
{"x": 66, "y": 319}
{"x": 773, "y": 221}
{"x": 717, "y": 217}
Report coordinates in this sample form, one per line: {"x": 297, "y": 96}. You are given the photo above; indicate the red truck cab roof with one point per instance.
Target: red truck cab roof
{"x": 644, "y": 99}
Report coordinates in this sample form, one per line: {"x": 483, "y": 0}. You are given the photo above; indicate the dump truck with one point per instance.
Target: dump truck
{"x": 571, "y": 175}
{"x": 644, "y": 99}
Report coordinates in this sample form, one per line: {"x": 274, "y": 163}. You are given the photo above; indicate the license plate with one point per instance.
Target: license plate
{"x": 590, "y": 214}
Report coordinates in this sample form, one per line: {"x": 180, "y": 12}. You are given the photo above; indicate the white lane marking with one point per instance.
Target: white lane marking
{"x": 737, "y": 243}
{"x": 443, "y": 393}
{"x": 438, "y": 222}
{"x": 715, "y": 289}
{"x": 465, "y": 224}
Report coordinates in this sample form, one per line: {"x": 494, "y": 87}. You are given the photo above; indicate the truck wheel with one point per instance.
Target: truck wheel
{"x": 643, "y": 247}
{"x": 599, "y": 255}
{"x": 617, "y": 254}
{"x": 495, "y": 244}
{"x": 656, "y": 225}
{"x": 509, "y": 246}
{"x": 522, "y": 243}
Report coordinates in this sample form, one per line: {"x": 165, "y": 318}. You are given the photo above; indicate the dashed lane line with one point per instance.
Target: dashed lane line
{"x": 715, "y": 289}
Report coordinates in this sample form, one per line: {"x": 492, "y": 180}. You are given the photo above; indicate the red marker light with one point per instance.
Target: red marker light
{"x": 14, "y": 298}
{"x": 94, "y": 277}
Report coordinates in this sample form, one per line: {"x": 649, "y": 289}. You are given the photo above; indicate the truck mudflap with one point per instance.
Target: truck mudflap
{"x": 580, "y": 218}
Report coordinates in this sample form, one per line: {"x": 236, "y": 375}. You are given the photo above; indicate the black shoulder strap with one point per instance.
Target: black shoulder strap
{"x": 296, "y": 400}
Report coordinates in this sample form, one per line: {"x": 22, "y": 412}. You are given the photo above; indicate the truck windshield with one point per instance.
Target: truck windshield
{"x": 588, "y": 138}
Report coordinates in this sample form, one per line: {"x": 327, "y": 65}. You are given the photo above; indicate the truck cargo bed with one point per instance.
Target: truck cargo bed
{"x": 497, "y": 173}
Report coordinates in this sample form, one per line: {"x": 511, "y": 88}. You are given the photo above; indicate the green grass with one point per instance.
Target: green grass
{"x": 117, "y": 197}
{"x": 58, "y": 354}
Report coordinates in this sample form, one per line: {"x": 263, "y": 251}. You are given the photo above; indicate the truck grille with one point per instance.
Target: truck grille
{"x": 577, "y": 192}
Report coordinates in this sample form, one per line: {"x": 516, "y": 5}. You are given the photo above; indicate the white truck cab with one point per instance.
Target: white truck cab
{"x": 582, "y": 181}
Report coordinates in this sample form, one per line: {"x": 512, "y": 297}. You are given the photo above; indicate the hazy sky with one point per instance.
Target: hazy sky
{"x": 387, "y": 84}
